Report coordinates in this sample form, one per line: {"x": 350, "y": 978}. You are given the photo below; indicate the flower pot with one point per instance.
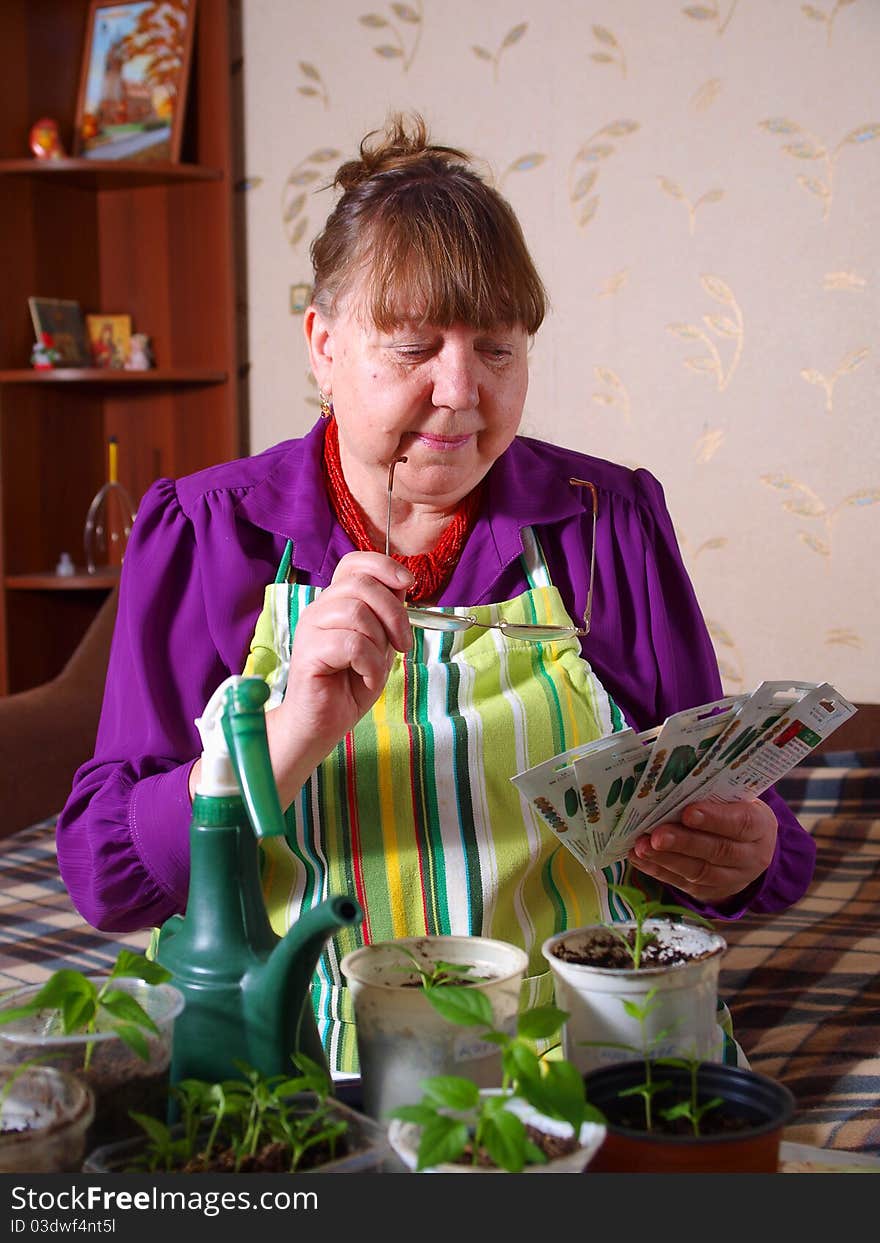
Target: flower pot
{"x": 404, "y": 1139}
{"x": 119, "y": 1079}
{"x": 401, "y": 1039}
{"x": 741, "y": 1136}
{"x": 44, "y": 1116}
{"x": 365, "y": 1149}
{"x": 683, "y": 1015}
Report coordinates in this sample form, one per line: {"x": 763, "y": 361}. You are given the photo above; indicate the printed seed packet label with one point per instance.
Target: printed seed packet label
{"x": 753, "y": 718}
{"x": 606, "y": 780}
{"x": 552, "y": 789}
{"x": 729, "y": 750}
{"x": 792, "y": 737}
{"x": 682, "y": 741}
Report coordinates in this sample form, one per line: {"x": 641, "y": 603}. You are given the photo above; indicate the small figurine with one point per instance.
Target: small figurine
{"x": 44, "y": 355}
{"x": 140, "y": 356}
{"x": 44, "y": 140}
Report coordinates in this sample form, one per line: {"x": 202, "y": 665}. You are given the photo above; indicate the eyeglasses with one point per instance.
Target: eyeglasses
{"x": 529, "y": 632}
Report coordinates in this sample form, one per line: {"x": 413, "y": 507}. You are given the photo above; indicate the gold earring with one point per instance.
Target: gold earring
{"x": 326, "y": 406}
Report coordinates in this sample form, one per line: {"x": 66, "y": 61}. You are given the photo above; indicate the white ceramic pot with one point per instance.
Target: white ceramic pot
{"x": 401, "y": 1039}
{"x": 683, "y": 1018}
{"x": 404, "y": 1139}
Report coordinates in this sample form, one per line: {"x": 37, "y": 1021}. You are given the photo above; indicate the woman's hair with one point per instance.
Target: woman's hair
{"x": 429, "y": 238}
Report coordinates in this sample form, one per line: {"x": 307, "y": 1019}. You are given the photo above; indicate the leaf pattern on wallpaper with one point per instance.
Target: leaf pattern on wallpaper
{"x": 512, "y": 37}
{"x": 706, "y": 95}
{"x": 406, "y": 32}
{"x": 826, "y": 18}
{"x": 614, "y": 283}
{"x": 849, "y": 281}
{"x": 610, "y": 52}
{"x": 728, "y": 327}
{"x": 674, "y": 190}
{"x": 294, "y": 195}
{"x": 803, "y": 145}
{"x": 711, "y": 12}
{"x": 524, "y": 164}
{"x": 730, "y": 662}
{"x": 851, "y": 362}
{"x": 708, "y": 444}
{"x": 616, "y": 395}
{"x": 805, "y": 503}
{"x": 843, "y": 636}
{"x": 583, "y": 172}
{"x": 314, "y": 86}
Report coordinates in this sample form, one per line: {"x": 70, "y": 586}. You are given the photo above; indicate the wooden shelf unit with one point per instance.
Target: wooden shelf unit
{"x": 152, "y": 240}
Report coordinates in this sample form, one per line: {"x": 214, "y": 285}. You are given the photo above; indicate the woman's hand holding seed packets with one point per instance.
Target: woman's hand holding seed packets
{"x": 599, "y": 797}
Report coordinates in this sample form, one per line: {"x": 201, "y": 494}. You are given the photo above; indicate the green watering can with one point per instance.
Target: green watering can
{"x": 246, "y": 989}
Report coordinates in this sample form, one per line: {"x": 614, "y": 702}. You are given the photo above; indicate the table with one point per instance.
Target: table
{"x": 803, "y": 986}
{"x": 40, "y": 931}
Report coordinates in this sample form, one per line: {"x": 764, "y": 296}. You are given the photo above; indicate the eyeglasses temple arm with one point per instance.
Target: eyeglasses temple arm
{"x": 588, "y": 611}
{"x": 388, "y": 514}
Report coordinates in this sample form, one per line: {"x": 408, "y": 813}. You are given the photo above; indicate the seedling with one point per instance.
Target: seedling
{"x": 243, "y": 1116}
{"x": 453, "y": 1115}
{"x": 691, "y": 1108}
{"x": 436, "y": 974}
{"x": 643, "y": 909}
{"x": 84, "y": 1006}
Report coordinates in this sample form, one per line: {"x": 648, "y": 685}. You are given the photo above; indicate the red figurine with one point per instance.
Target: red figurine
{"x": 44, "y": 140}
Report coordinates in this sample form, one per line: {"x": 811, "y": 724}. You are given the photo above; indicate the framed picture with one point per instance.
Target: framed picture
{"x": 133, "y": 80}
{"x": 110, "y": 340}
{"x": 63, "y": 321}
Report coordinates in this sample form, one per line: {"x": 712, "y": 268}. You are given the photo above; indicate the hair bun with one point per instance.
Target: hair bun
{"x": 404, "y": 141}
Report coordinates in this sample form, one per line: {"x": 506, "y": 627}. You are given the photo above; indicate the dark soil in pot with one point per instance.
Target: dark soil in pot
{"x": 602, "y": 948}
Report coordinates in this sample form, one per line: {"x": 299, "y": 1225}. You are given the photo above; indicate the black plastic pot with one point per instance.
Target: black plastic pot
{"x": 752, "y": 1115}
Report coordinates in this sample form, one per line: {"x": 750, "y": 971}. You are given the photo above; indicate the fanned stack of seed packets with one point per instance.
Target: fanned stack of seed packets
{"x": 600, "y": 797}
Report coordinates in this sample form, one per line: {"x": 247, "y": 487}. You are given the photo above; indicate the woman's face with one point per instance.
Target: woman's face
{"x": 448, "y": 399}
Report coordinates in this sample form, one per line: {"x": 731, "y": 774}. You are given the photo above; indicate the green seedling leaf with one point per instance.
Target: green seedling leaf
{"x": 77, "y": 1012}
{"x": 442, "y": 1139}
{"x": 505, "y": 1140}
{"x": 520, "y": 1061}
{"x": 451, "y": 1091}
{"x": 135, "y": 1039}
{"x": 124, "y": 1007}
{"x": 158, "y": 1132}
{"x": 542, "y": 1023}
{"x": 458, "y": 1004}
{"x": 559, "y": 1093}
{"x": 138, "y": 967}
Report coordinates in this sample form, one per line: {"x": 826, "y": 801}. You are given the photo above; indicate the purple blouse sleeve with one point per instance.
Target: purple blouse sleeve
{"x": 123, "y": 835}
{"x": 689, "y": 676}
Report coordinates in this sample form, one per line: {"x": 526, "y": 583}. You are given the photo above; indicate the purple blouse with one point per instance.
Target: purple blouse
{"x": 203, "y": 549}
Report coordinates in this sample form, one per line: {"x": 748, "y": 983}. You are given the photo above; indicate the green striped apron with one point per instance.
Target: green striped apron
{"x": 414, "y": 812}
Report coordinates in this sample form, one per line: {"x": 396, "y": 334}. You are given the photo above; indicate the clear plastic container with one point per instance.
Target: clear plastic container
{"x": 367, "y": 1150}
{"x": 45, "y": 1114}
{"x": 118, "y": 1077}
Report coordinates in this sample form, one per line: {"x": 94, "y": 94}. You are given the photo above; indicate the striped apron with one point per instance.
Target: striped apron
{"x": 414, "y": 813}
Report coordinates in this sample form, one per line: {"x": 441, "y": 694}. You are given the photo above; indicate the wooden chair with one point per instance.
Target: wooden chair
{"x": 48, "y": 731}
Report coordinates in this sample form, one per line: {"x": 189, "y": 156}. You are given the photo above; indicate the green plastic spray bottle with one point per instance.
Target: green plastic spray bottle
{"x": 246, "y": 989}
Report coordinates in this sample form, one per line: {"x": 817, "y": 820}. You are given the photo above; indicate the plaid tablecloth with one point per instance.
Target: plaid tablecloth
{"x": 804, "y": 986}
{"x": 39, "y": 929}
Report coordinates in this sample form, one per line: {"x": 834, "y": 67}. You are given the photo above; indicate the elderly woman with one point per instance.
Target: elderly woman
{"x": 392, "y": 741}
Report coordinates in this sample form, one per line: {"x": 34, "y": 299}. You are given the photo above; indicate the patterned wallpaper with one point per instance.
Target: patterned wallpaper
{"x": 699, "y": 185}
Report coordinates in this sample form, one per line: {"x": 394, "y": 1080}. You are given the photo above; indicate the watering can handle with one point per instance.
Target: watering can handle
{"x": 244, "y": 728}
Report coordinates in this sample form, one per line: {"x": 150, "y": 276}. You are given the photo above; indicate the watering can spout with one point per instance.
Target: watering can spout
{"x": 279, "y": 988}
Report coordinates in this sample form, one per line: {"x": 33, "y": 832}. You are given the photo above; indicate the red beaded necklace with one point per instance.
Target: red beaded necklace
{"x": 429, "y": 569}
